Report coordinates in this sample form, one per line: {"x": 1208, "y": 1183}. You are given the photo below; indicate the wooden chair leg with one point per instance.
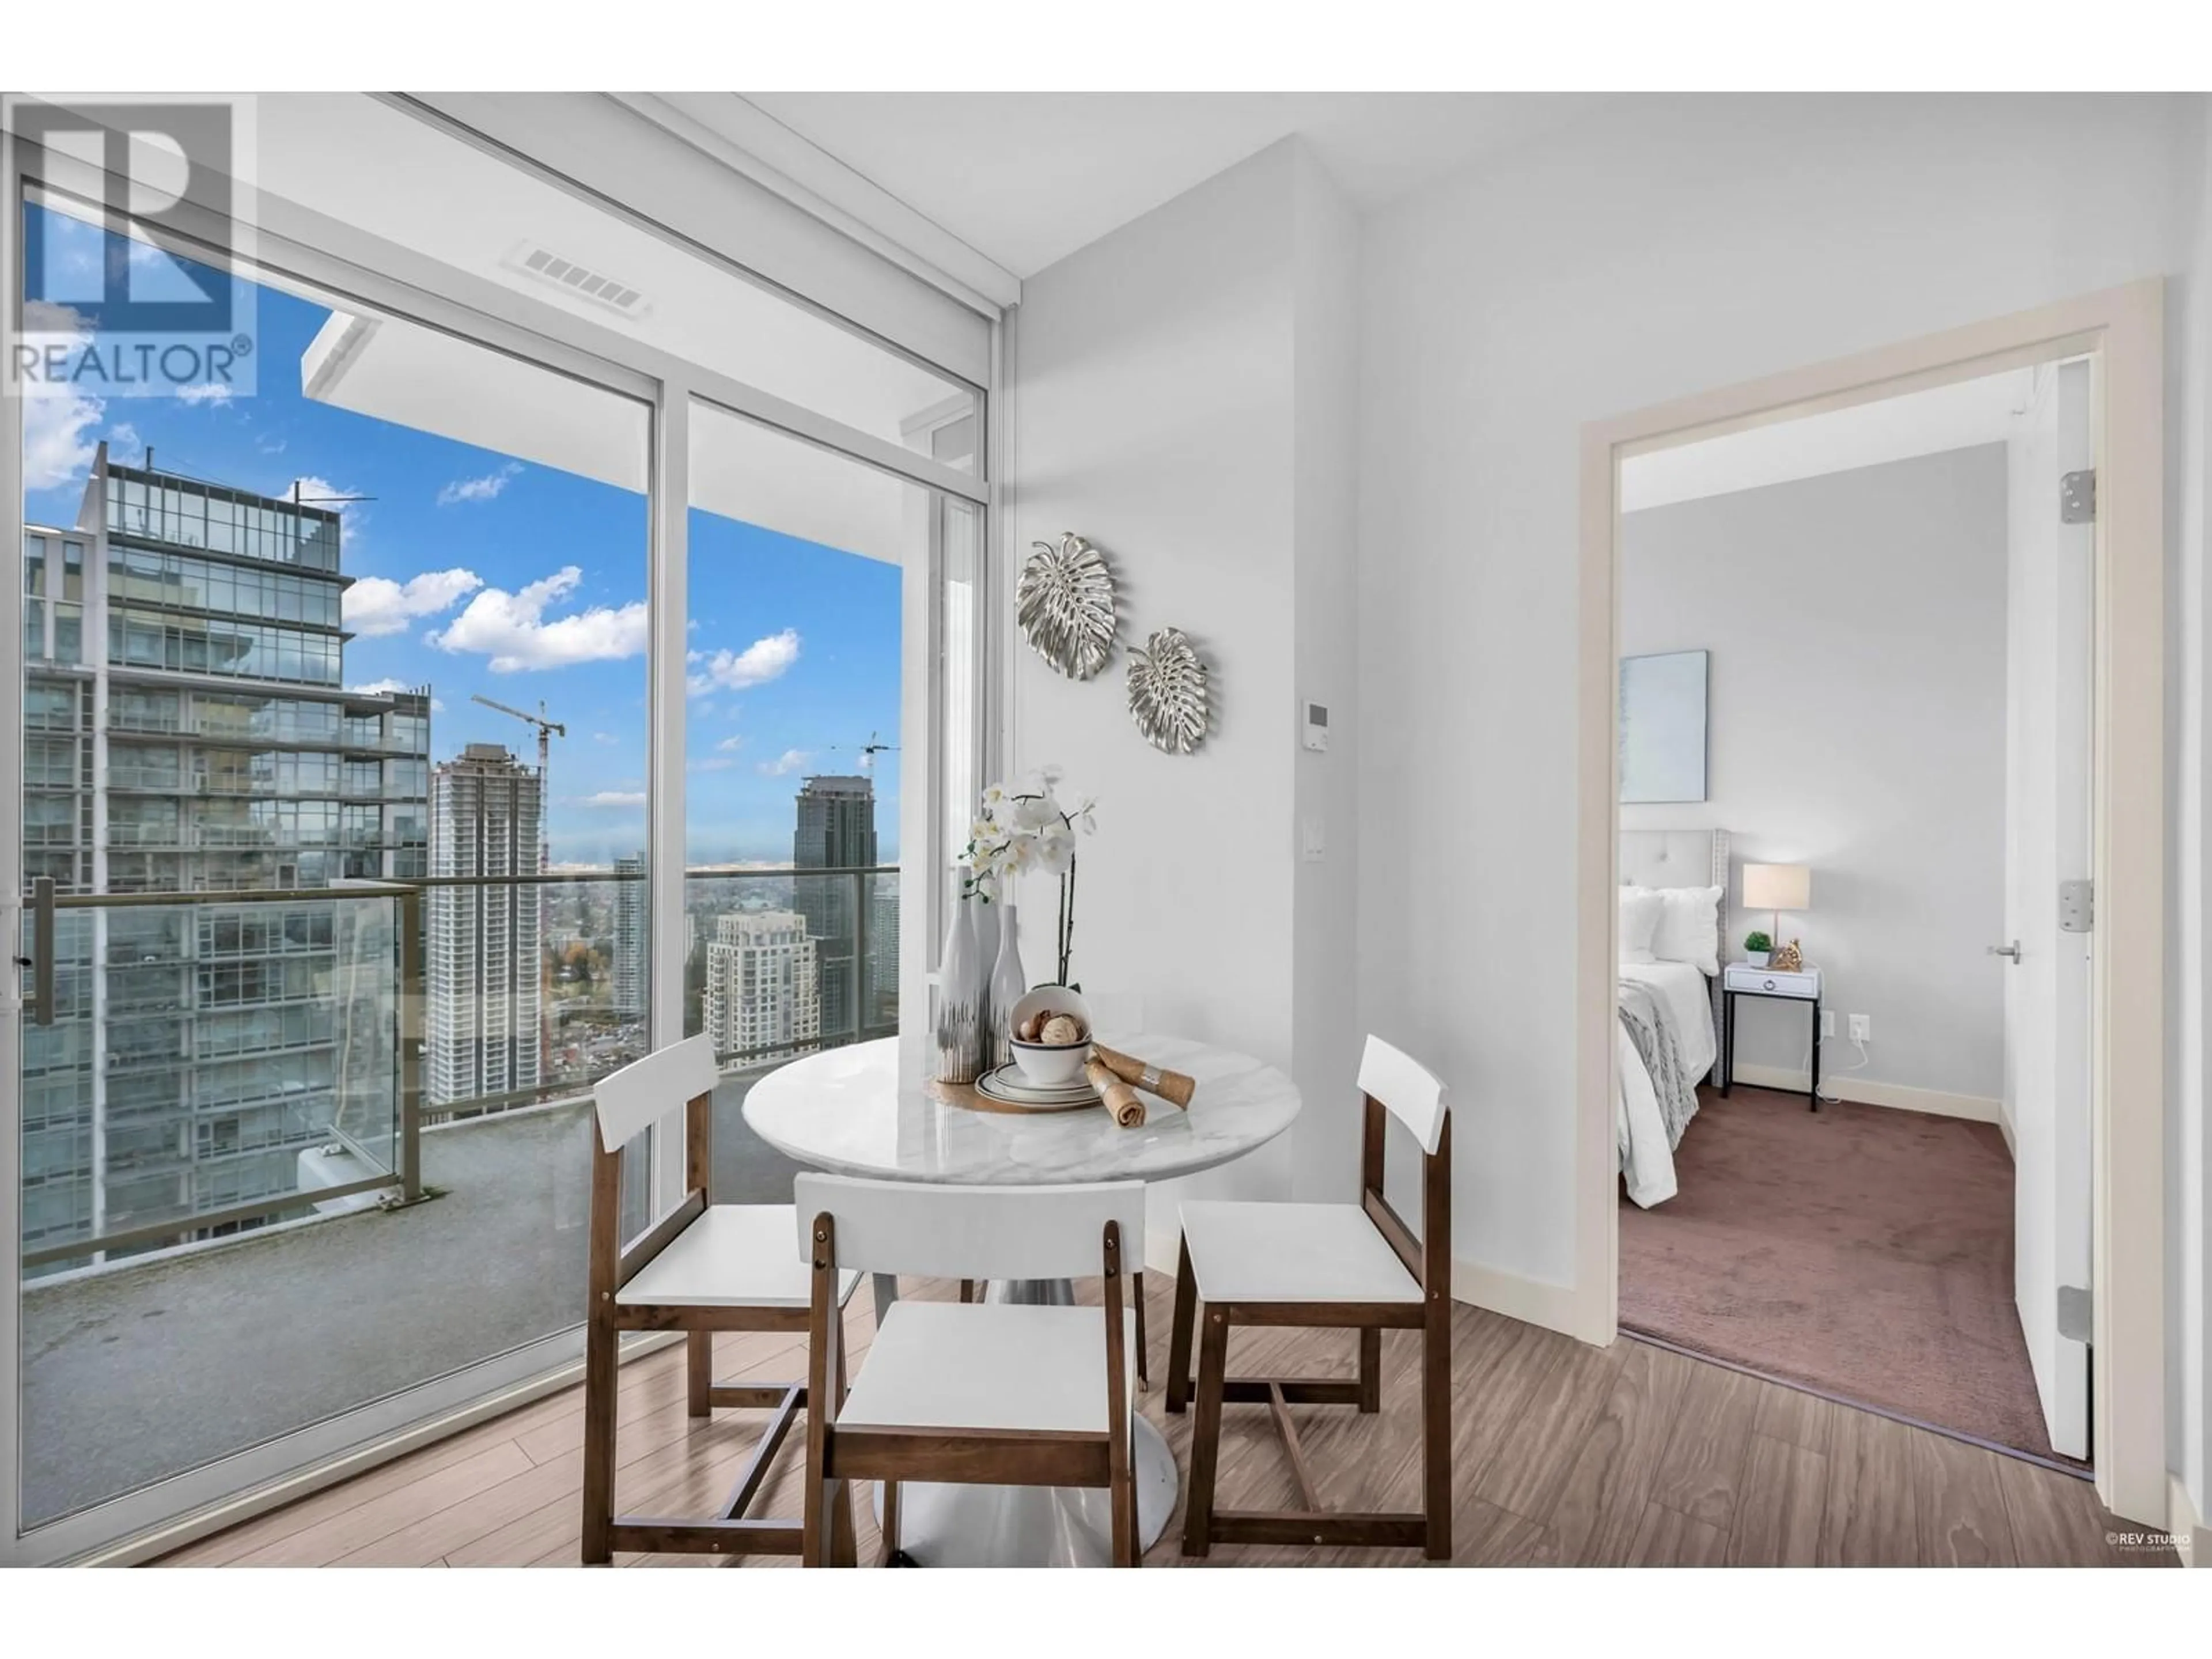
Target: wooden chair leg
{"x": 600, "y": 1409}
{"x": 1186, "y": 1310}
{"x": 698, "y": 1372}
{"x": 967, "y": 1290}
{"x": 844, "y": 1541}
{"x": 1371, "y": 1371}
{"x": 1121, "y": 1499}
{"x": 890, "y": 1527}
{"x": 1436, "y": 1430}
{"x": 1205, "y": 1433}
{"x": 815, "y": 1526}
{"x": 1143, "y": 1369}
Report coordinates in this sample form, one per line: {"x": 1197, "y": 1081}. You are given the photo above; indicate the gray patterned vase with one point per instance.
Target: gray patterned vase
{"x": 961, "y": 994}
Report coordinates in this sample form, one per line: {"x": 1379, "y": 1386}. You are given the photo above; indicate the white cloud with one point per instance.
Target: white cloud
{"x": 58, "y": 420}
{"x": 377, "y": 605}
{"x": 616, "y": 797}
{"x": 208, "y": 393}
{"x": 512, "y": 629}
{"x": 763, "y": 660}
{"x": 731, "y": 745}
{"x": 57, "y": 441}
{"x": 788, "y": 762}
{"x": 604, "y": 737}
{"x": 479, "y": 490}
{"x": 711, "y": 763}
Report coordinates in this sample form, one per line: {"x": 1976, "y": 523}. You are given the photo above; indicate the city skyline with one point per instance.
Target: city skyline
{"x": 480, "y": 574}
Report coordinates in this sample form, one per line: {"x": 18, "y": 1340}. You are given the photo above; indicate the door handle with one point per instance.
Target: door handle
{"x": 2011, "y": 950}
{"x": 42, "y": 969}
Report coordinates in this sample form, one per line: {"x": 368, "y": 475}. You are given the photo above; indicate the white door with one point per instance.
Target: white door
{"x": 2047, "y": 993}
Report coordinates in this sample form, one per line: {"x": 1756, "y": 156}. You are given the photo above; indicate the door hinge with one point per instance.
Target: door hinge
{"x": 2075, "y": 1311}
{"x": 2077, "y": 497}
{"x": 2077, "y": 906}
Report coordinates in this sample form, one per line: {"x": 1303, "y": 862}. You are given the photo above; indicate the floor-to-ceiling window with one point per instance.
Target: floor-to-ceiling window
{"x": 346, "y": 759}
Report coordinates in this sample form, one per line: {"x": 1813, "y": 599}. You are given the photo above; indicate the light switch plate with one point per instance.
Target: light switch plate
{"x": 1313, "y": 840}
{"x": 1316, "y": 728}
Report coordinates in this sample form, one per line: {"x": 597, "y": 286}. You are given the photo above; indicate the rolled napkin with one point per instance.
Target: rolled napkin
{"x": 1173, "y": 1087}
{"x": 1120, "y": 1099}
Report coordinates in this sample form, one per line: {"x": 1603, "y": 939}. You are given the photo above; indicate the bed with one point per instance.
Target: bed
{"x": 1668, "y": 998}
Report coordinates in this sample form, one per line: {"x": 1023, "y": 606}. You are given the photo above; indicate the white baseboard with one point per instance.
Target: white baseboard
{"x": 2192, "y": 1539}
{"x": 1868, "y": 1091}
{"x": 1532, "y": 1301}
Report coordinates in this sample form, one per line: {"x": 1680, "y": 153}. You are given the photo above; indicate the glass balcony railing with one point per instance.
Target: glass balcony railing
{"x": 306, "y": 1036}
{"x": 320, "y": 1134}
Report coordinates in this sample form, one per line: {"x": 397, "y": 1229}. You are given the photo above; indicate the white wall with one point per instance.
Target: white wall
{"x": 1183, "y": 396}
{"x": 2189, "y": 1163}
{"x": 1325, "y": 786}
{"x": 1856, "y": 724}
{"x": 1659, "y": 248}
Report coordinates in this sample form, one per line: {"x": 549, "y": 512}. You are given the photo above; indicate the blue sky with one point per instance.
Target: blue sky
{"x": 480, "y": 574}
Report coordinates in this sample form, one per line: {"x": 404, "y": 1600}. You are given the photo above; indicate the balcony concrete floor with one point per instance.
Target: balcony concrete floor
{"x": 145, "y": 1371}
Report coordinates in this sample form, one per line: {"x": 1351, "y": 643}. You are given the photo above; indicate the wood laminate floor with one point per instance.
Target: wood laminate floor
{"x": 1562, "y": 1454}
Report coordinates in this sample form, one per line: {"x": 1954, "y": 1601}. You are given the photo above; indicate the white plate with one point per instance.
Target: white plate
{"x": 1003, "y": 1083}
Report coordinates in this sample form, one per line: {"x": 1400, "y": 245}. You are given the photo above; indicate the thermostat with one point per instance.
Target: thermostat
{"x": 1316, "y": 737}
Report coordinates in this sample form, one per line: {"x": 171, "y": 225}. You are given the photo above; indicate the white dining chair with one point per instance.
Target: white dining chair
{"x": 989, "y": 1393}
{"x": 1355, "y": 1266}
{"x": 701, "y": 1269}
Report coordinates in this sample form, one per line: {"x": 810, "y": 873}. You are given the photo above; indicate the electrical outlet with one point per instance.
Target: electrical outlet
{"x": 1827, "y": 1022}
{"x": 1861, "y": 1028}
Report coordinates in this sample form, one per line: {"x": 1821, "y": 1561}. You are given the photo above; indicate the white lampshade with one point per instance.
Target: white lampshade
{"x": 1777, "y": 887}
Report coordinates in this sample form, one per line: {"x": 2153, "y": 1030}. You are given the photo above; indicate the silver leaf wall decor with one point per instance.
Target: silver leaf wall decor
{"x": 1065, "y": 605}
{"x": 1166, "y": 692}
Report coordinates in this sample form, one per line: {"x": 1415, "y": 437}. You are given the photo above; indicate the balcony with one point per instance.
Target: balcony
{"x": 417, "y": 1239}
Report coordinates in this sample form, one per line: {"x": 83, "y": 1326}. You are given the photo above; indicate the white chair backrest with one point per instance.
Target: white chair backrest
{"x": 972, "y": 1232}
{"x": 1406, "y": 1087}
{"x": 644, "y": 1090}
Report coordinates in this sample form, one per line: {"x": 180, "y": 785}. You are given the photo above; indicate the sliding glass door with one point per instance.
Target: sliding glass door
{"x": 356, "y": 799}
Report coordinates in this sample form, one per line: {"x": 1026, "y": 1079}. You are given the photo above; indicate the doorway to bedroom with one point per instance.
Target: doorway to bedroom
{"x": 1854, "y": 683}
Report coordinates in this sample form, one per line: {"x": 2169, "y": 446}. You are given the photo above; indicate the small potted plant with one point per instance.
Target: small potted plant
{"x": 1756, "y": 946}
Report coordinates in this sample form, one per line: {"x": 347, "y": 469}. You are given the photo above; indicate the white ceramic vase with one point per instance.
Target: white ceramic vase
{"x": 962, "y": 991}
{"x": 1009, "y": 984}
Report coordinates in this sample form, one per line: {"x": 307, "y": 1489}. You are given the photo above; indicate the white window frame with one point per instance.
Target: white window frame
{"x": 344, "y": 263}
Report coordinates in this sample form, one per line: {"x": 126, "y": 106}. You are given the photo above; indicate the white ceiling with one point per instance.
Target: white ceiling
{"x": 1957, "y": 416}
{"x": 1027, "y": 178}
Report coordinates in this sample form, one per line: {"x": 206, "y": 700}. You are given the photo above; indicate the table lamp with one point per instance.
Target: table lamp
{"x": 1777, "y": 888}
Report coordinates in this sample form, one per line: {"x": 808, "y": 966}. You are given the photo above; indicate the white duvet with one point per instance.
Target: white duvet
{"x": 1685, "y": 1001}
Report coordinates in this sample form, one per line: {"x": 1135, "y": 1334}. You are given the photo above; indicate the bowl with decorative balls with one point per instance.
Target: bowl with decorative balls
{"x": 1049, "y": 1032}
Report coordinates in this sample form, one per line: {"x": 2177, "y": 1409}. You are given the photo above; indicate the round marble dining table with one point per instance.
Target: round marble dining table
{"x": 860, "y": 1110}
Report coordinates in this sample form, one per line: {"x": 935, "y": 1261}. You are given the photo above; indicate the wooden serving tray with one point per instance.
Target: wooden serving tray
{"x": 966, "y": 1095}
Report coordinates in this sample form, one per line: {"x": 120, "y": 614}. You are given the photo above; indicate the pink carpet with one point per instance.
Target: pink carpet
{"x": 1865, "y": 1252}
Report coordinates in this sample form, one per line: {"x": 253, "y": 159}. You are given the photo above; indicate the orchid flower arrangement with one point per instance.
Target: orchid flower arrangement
{"x": 1023, "y": 826}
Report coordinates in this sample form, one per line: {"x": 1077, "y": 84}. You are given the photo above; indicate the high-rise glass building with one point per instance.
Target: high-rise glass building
{"x": 629, "y": 936}
{"x": 836, "y": 831}
{"x": 763, "y": 996}
{"x": 484, "y": 1009}
{"x": 883, "y": 953}
{"x": 188, "y": 731}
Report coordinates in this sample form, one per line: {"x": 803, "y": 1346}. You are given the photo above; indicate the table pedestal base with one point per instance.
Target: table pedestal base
{"x": 959, "y": 1526}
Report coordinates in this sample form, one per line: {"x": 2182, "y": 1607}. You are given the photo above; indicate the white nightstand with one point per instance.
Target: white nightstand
{"x": 1740, "y": 979}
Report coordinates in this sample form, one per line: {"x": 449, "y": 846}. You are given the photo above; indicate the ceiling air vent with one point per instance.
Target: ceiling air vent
{"x": 580, "y": 280}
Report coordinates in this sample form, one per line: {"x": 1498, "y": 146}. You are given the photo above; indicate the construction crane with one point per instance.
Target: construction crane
{"x": 868, "y": 751}
{"x": 546, "y": 729}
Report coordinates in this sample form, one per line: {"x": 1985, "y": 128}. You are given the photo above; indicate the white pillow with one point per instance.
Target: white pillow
{"x": 1640, "y": 911}
{"x": 1689, "y": 927}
